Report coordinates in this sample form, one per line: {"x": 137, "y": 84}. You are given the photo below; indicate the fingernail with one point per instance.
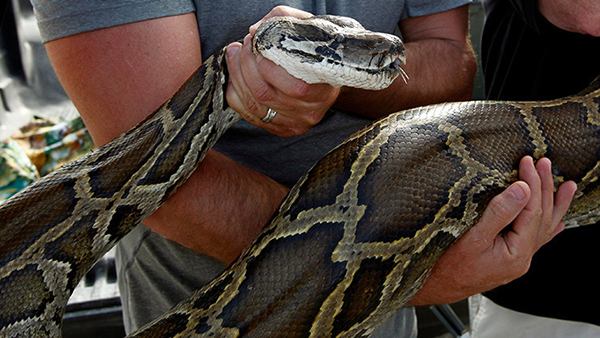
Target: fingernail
{"x": 517, "y": 192}
{"x": 232, "y": 50}
{"x": 248, "y": 39}
{"x": 254, "y": 27}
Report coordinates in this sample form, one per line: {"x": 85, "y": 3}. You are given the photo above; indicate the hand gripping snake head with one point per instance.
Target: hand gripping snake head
{"x": 331, "y": 49}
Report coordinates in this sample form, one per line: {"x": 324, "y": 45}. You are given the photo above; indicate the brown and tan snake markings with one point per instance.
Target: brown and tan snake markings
{"x": 352, "y": 242}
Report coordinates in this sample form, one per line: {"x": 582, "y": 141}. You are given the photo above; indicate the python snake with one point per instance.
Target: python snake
{"x": 352, "y": 242}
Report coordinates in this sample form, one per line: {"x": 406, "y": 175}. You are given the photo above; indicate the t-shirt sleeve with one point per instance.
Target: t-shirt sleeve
{"x": 414, "y": 8}
{"x": 61, "y": 18}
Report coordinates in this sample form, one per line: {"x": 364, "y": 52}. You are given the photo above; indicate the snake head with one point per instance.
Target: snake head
{"x": 331, "y": 49}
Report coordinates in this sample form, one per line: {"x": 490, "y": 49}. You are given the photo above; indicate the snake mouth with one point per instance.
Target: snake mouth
{"x": 397, "y": 64}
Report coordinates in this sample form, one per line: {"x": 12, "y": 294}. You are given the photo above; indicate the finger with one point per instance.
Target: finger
{"x": 251, "y": 95}
{"x": 547, "y": 228}
{"x": 544, "y": 169}
{"x": 238, "y": 94}
{"x": 236, "y": 87}
{"x": 526, "y": 225}
{"x": 294, "y": 87}
{"x": 302, "y": 102}
{"x": 259, "y": 92}
{"x": 280, "y": 11}
{"x": 272, "y": 86}
{"x": 562, "y": 201}
{"x": 500, "y": 212}
{"x": 301, "y": 112}
{"x": 554, "y": 205}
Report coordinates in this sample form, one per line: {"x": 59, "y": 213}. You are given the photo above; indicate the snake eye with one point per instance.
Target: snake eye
{"x": 340, "y": 38}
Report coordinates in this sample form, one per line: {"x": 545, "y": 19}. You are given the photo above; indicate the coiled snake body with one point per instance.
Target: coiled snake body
{"x": 352, "y": 242}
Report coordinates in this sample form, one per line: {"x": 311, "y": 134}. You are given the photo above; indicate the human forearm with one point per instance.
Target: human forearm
{"x": 116, "y": 77}
{"x": 581, "y": 16}
{"x": 439, "y": 61}
{"x": 432, "y": 80}
{"x": 221, "y": 208}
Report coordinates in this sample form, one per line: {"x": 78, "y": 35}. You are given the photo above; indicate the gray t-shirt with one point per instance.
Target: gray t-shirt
{"x": 156, "y": 273}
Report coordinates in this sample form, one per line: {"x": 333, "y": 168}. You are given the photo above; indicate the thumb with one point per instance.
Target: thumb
{"x": 501, "y": 211}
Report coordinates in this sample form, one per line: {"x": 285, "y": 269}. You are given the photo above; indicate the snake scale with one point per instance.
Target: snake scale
{"x": 352, "y": 242}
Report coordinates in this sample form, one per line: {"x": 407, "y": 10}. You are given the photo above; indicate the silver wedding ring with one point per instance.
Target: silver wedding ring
{"x": 269, "y": 117}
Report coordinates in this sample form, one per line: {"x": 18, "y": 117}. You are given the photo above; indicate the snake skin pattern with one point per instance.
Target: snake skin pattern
{"x": 352, "y": 242}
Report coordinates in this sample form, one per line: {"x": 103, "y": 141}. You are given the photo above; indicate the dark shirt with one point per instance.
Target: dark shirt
{"x": 524, "y": 57}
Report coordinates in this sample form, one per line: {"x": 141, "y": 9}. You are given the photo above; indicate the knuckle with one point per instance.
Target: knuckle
{"x": 311, "y": 118}
{"x": 538, "y": 214}
{"x": 498, "y": 208}
{"x": 522, "y": 267}
{"x": 279, "y": 10}
{"x": 519, "y": 266}
{"x": 300, "y": 90}
{"x": 262, "y": 93}
{"x": 251, "y": 104}
{"x": 298, "y": 129}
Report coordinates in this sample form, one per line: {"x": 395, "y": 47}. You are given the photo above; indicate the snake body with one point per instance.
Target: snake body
{"x": 352, "y": 242}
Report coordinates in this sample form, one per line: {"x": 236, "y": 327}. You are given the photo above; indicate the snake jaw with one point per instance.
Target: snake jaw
{"x": 397, "y": 65}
